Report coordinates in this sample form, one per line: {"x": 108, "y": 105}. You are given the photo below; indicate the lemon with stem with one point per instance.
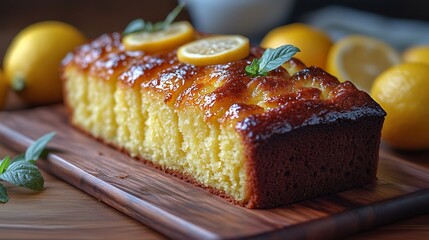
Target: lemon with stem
{"x": 32, "y": 61}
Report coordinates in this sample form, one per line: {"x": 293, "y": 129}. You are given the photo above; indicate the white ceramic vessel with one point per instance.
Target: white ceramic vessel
{"x": 246, "y": 17}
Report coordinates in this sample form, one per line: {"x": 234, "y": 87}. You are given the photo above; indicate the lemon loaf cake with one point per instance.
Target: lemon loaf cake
{"x": 259, "y": 142}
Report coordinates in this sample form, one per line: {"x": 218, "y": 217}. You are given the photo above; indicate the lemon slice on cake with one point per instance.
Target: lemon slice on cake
{"x": 214, "y": 50}
{"x": 174, "y": 35}
{"x": 360, "y": 59}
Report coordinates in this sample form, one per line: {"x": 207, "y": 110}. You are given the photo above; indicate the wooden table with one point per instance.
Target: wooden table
{"x": 64, "y": 212}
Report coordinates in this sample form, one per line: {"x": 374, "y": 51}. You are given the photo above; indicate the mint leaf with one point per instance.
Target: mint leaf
{"x": 36, "y": 148}
{"x": 4, "y": 164}
{"x": 22, "y": 170}
{"x": 274, "y": 58}
{"x": 270, "y": 60}
{"x": 173, "y": 14}
{"x": 253, "y": 68}
{"x": 136, "y": 25}
{"x": 4, "y": 198}
{"x": 139, "y": 25}
{"x": 24, "y": 174}
{"x": 158, "y": 26}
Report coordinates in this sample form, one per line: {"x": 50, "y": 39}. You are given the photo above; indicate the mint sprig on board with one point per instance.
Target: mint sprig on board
{"x": 139, "y": 25}
{"x": 22, "y": 170}
{"x": 270, "y": 60}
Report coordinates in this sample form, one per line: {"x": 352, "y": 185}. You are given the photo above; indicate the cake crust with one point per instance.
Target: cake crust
{"x": 235, "y": 92}
{"x": 283, "y": 119}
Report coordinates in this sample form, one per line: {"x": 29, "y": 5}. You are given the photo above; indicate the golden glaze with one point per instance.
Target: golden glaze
{"x": 224, "y": 92}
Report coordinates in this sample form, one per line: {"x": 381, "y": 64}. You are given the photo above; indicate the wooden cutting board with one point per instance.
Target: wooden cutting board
{"x": 181, "y": 210}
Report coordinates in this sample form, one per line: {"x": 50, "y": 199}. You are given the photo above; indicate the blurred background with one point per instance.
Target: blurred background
{"x": 94, "y": 17}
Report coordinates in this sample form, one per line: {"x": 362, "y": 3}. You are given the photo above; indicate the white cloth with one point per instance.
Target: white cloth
{"x": 340, "y": 21}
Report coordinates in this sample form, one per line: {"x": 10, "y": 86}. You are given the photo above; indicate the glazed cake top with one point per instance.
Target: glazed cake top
{"x": 259, "y": 106}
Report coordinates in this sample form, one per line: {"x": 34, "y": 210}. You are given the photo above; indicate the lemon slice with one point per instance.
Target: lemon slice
{"x": 174, "y": 35}
{"x": 360, "y": 59}
{"x": 214, "y": 50}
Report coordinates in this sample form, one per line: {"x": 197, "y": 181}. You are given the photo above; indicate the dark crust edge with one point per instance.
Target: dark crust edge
{"x": 262, "y": 183}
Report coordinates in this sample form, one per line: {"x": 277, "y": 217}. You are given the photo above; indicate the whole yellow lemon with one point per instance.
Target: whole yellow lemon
{"x": 314, "y": 44}
{"x": 403, "y": 92}
{"x": 32, "y": 61}
{"x": 417, "y": 54}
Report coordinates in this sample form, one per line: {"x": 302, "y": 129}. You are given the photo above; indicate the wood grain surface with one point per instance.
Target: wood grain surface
{"x": 415, "y": 228}
{"x": 62, "y": 212}
{"x": 178, "y": 209}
